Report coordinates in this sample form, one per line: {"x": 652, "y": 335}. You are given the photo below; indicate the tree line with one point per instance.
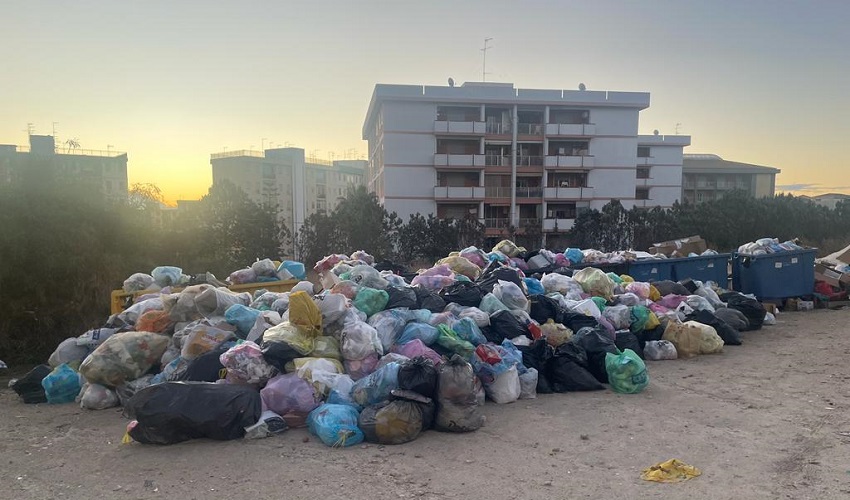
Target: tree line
{"x": 64, "y": 250}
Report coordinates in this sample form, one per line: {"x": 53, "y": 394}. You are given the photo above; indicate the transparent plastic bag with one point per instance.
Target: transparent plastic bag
{"x": 245, "y": 363}
{"x": 511, "y": 295}
{"x": 202, "y": 336}
{"x": 657, "y": 350}
{"x": 528, "y": 384}
{"x": 467, "y": 330}
{"x": 416, "y": 348}
{"x": 491, "y": 304}
{"x": 389, "y": 325}
{"x": 123, "y": 357}
{"x": 289, "y": 334}
{"x": 138, "y": 282}
{"x": 360, "y": 340}
{"x": 626, "y": 372}
{"x": 97, "y": 397}
{"x": 371, "y": 301}
{"x": 377, "y": 386}
{"x": 289, "y": 393}
{"x": 167, "y": 275}
{"x": 619, "y": 316}
{"x": 505, "y": 387}
{"x": 457, "y": 401}
{"x": 595, "y": 282}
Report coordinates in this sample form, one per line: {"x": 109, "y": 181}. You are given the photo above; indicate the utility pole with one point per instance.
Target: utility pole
{"x": 484, "y": 59}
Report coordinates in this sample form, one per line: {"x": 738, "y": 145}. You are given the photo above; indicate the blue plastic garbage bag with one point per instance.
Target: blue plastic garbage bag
{"x": 422, "y": 331}
{"x": 467, "y": 330}
{"x": 534, "y": 286}
{"x": 167, "y": 275}
{"x": 335, "y": 425}
{"x": 296, "y": 269}
{"x": 242, "y": 317}
{"x": 62, "y": 385}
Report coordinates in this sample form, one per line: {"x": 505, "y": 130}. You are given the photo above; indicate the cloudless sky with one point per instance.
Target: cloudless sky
{"x": 170, "y": 82}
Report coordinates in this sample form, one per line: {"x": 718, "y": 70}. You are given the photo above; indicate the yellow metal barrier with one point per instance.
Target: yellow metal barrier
{"x": 121, "y": 299}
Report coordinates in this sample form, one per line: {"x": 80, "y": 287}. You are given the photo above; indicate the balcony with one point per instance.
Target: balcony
{"x": 571, "y": 129}
{"x": 521, "y": 161}
{"x": 568, "y": 193}
{"x": 452, "y": 127}
{"x": 529, "y": 222}
{"x": 497, "y": 223}
{"x": 568, "y": 161}
{"x": 493, "y": 128}
{"x": 497, "y": 161}
{"x": 505, "y": 192}
{"x": 452, "y": 160}
{"x": 529, "y": 129}
{"x": 562, "y": 224}
{"x": 529, "y": 161}
{"x": 644, "y": 161}
{"x": 458, "y": 193}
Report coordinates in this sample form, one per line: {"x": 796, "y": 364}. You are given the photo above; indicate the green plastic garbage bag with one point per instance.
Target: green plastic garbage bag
{"x": 640, "y": 315}
{"x": 600, "y": 303}
{"x": 626, "y": 372}
{"x": 371, "y": 301}
{"x": 449, "y": 339}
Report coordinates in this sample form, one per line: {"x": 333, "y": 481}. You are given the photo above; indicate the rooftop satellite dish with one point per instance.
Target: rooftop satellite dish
{"x": 655, "y": 132}
{"x": 582, "y": 86}
{"x": 451, "y": 82}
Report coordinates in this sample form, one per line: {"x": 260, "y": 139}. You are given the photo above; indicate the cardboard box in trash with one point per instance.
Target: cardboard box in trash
{"x": 831, "y": 276}
{"x": 681, "y": 247}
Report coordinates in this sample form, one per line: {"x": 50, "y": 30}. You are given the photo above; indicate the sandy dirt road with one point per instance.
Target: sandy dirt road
{"x": 768, "y": 419}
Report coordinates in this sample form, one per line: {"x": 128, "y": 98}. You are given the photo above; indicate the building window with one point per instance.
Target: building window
{"x": 642, "y": 193}
{"x": 643, "y": 172}
{"x": 643, "y": 152}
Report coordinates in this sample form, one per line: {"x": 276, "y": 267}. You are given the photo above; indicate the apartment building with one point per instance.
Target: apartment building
{"x": 283, "y": 177}
{"x": 97, "y": 172}
{"x": 523, "y": 161}
{"x": 707, "y": 177}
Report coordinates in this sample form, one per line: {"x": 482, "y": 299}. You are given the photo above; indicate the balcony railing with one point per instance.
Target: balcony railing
{"x": 559, "y": 224}
{"x": 571, "y": 129}
{"x": 526, "y": 222}
{"x": 529, "y": 161}
{"x": 529, "y": 129}
{"x": 496, "y": 223}
{"x": 458, "y": 160}
{"x": 521, "y": 192}
{"x": 459, "y": 127}
{"x": 568, "y": 193}
{"x": 458, "y": 193}
{"x": 497, "y": 161}
{"x": 498, "y": 128}
{"x": 568, "y": 161}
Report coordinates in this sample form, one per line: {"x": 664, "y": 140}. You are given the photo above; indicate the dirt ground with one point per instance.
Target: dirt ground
{"x": 764, "y": 420}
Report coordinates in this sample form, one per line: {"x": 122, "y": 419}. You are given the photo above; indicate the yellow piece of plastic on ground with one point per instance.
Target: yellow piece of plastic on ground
{"x": 671, "y": 471}
{"x": 626, "y": 278}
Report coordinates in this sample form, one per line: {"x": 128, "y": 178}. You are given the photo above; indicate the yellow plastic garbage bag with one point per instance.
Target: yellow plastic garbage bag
{"x": 305, "y": 314}
{"x": 461, "y": 265}
{"x": 652, "y": 322}
{"x": 654, "y": 294}
{"x": 671, "y": 471}
{"x": 686, "y": 338}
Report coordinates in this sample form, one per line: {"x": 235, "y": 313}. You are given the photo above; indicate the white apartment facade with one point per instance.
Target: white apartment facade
{"x": 283, "y": 177}
{"x": 515, "y": 158}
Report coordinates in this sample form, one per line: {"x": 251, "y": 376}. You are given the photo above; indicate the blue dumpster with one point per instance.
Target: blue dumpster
{"x": 651, "y": 270}
{"x": 705, "y": 268}
{"x": 775, "y": 276}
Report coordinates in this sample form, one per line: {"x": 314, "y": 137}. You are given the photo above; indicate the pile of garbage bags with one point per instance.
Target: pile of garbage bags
{"x": 262, "y": 271}
{"x": 377, "y": 357}
{"x": 766, "y": 246}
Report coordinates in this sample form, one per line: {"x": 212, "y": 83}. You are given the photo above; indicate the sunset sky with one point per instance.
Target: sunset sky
{"x": 170, "y": 82}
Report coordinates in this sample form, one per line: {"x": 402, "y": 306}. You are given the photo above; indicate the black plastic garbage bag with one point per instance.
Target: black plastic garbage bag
{"x": 628, "y": 340}
{"x": 668, "y": 287}
{"x": 576, "y": 321}
{"x": 463, "y": 293}
{"x": 544, "y": 308}
{"x": 729, "y": 335}
{"x": 457, "y": 402}
{"x": 278, "y": 354}
{"x": 207, "y": 367}
{"x": 401, "y": 297}
{"x": 178, "y": 411}
{"x": 596, "y": 343}
{"x": 751, "y": 308}
{"x": 733, "y": 318}
{"x": 428, "y": 405}
{"x": 645, "y": 336}
{"x": 504, "y": 325}
{"x": 392, "y": 422}
{"x": 488, "y": 280}
{"x": 426, "y": 299}
{"x": 29, "y": 386}
{"x": 418, "y": 375}
{"x": 567, "y": 370}
{"x": 536, "y": 356}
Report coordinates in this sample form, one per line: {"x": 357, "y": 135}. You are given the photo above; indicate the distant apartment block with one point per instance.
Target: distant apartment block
{"x": 283, "y": 177}
{"x": 707, "y": 177}
{"x": 516, "y": 159}
{"x": 828, "y": 200}
{"x": 98, "y": 172}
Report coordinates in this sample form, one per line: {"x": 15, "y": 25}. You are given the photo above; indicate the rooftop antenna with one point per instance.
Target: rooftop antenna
{"x": 263, "y": 143}
{"x": 582, "y": 86}
{"x": 678, "y": 126}
{"x": 484, "y": 59}
{"x": 30, "y": 129}
{"x": 655, "y": 132}
{"x": 451, "y": 82}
